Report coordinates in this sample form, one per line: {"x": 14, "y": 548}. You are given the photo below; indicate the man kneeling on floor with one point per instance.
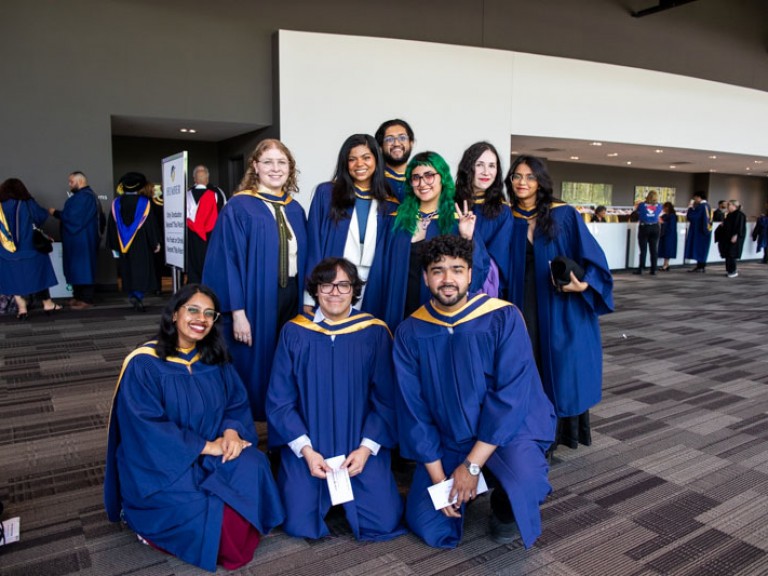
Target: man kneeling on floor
{"x": 471, "y": 403}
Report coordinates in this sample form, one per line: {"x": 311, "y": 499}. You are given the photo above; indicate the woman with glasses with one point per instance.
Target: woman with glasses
{"x": 562, "y": 319}
{"x": 331, "y": 395}
{"x": 255, "y": 262}
{"x": 479, "y": 183}
{"x": 348, "y": 213}
{"x": 182, "y": 469}
{"x": 396, "y": 285}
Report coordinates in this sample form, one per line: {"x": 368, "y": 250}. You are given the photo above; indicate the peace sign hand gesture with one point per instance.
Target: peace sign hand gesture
{"x": 467, "y": 220}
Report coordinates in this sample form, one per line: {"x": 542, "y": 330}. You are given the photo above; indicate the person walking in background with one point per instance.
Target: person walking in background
{"x": 668, "y": 235}
{"x": 81, "y": 220}
{"x": 648, "y": 213}
{"x": 730, "y": 237}
{"x": 24, "y": 271}
{"x": 760, "y": 235}
{"x": 699, "y": 236}
{"x": 204, "y": 204}
{"x": 132, "y": 235}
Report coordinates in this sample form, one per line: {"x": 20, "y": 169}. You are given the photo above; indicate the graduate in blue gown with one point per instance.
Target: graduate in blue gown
{"x": 562, "y": 322}
{"x": 80, "y": 220}
{"x": 668, "y": 235}
{"x": 331, "y": 394}
{"x": 395, "y": 288}
{"x": 470, "y": 400}
{"x": 395, "y": 138}
{"x": 254, "y": 263}
{"x": 182, "y": 469}
{"x": 348, "y": 214}
{"x": 23, "y": 270}
{"x": 479, "y": 182}
{"x": 698, "y": 239}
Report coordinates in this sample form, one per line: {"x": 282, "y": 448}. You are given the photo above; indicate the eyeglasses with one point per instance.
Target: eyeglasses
{"x": 208, "y": 313}
{"x": 343, "y": 287}
{"x": 428, "y": 178}
{"x": 401, "y": 139}
{"x": 528, "y": 177}
{"x": 282, "y": 164}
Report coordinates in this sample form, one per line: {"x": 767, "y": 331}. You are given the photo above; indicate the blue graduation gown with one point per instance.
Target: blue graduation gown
{"x": 388, "y": 279}
{"x": 241, "y": 266}
{"x": 569, "y": 331}
{"x": 26, "y": 270}
{"x": 496, "y": 234}
{"x": 466, "y": 377}
{"x": 396, "y": 183}
{"x": 668, "y": 237}
{"x": 698, "y": 238}
{"x": 337, "y": 392}
{"x": 163, "y": 413}
{"x": 80, "y": 236}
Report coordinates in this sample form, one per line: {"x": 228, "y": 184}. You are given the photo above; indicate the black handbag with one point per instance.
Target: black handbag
{"x": 41, "y": 241}
{"x": 560, "y": 269}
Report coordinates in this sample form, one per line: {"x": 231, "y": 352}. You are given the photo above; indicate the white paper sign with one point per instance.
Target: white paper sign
{"x": 440, "y": 493}
{"x": 12, "y": 530}
{"x": 339, "y": 484}
{"x": 175, "y": 215}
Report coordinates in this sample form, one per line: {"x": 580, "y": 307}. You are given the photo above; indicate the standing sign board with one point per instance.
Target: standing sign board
{"x": 174, "y": 193}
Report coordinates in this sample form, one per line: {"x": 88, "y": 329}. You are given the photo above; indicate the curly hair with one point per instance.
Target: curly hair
{"x": 448, "y": 245}
{"x": 325, "y": 273}
{"x": 465, "y": 175}
{"x": 544, "y": 195}
{"x": 212, "y": 348}
{"x": 343, "y": 194}
{"x": 408, "y": 212}
{"x": 14, "y": 189}
{"x": 250, "y": 180}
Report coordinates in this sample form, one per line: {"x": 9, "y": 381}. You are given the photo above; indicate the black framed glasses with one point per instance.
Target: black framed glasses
{"x": 343, "y": 287}
{"x": 208, "y": 313}
{"x": 517, "y": 177}
{"x": 428, "y": 178}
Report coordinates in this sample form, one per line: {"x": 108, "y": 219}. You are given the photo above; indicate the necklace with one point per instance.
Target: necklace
{"x": 425, "y": 218}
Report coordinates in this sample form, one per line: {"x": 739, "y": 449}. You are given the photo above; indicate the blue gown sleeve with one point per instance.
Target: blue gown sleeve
{"x": 237, "y": 415}
{"x": 282, "y": 405}
{"x": 225, "y": 268}
{"x": 79, "y": 212}
{"x": 155, "y": 449}
{"x": 380, "y": 423}
{"x": 316, "y": 221}
{"x": 38, "y": 213}
{"x": 419, "y": 437}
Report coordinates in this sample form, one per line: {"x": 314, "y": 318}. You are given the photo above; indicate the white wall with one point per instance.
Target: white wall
{"x": 332, "y": 86}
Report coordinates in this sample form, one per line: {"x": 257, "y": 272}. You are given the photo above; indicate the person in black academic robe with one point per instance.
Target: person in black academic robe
{"x": 731, "y": 235}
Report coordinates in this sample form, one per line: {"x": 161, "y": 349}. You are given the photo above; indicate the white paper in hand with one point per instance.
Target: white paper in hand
{"x": 339, "y": 484}
{"x": 441, "y": 492}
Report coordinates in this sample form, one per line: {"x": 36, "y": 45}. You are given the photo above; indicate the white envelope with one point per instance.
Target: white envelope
{"x": 441, "y": 492}
{"x": 339, "y": 484}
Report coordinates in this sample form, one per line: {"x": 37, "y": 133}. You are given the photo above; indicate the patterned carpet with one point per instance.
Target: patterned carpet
{"x": 676, "y": 481}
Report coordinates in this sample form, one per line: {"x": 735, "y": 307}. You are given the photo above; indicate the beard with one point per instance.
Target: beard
{"x": 389, "y": 160}
{"x": 448, "y": 301}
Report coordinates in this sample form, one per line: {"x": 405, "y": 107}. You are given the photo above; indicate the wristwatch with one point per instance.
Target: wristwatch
{"x": 474, "y": 469}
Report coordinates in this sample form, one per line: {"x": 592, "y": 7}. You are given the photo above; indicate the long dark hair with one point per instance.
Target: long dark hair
{"x": 343, "y": 194}
{"x": 544, "y": 195}
{"x": 212, "y": 349}
{"x": 465, "y": 175}
{"x": 14, "y": 189}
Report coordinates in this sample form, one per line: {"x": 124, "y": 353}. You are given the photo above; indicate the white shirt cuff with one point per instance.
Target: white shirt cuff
{"x": 371, "y": 445}
{"x": 298, "y": 444}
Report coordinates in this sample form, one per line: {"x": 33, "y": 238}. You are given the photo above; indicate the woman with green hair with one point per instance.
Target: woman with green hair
{"x": 396, "y": 286}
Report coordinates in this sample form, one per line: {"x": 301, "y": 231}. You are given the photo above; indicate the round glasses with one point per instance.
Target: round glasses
{"x": 400, "y": 138}
{"x": 208, "y": 313}
{"x": 516, "y": 177}
{"x": 428, "y": 178}
{"x": 343, "y": 287}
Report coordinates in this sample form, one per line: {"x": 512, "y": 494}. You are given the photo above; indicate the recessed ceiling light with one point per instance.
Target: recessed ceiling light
{"x": 713, "y": 157}
{"x": 758, "y": 161}
{"x": 574, "y": 157}
{"x": 629, "y": 162}
{"x": 673, "y": 166}
{"x": 659, "y": 151}
{"x": 183, "y": 130}
{"x": 612, "y": 155}
{"x": 596, "y": 144}
{"x": 748, "y": 168}
{"x": 712, "y": 170}
{"x": 192, "y": 130}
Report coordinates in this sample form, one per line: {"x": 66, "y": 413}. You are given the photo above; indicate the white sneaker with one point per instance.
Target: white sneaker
{"x": 732, "y": 275}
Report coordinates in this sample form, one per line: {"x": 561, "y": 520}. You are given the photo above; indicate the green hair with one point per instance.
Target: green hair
{"x": 408, "y": 212}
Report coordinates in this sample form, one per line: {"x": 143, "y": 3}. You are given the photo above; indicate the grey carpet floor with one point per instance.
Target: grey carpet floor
{"x": 676, "y": 481}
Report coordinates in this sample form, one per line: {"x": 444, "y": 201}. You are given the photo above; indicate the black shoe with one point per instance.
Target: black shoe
{"x": 502, "y": 532}
{"x": 664, "y": 268}
{"x": 637, "y": 271}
